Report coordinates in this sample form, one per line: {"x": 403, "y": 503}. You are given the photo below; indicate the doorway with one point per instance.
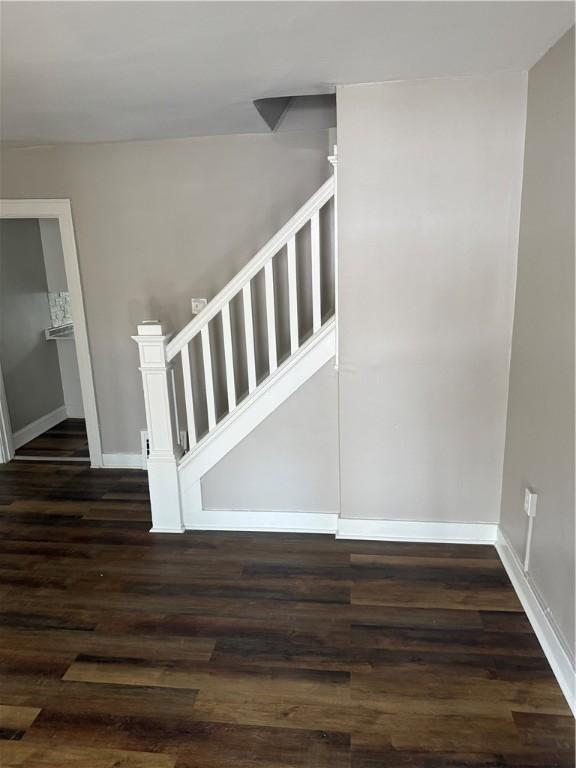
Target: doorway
{"x": 47, "y": 402}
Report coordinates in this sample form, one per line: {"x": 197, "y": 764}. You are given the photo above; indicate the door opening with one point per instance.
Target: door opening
{"x": 47, "y": 402}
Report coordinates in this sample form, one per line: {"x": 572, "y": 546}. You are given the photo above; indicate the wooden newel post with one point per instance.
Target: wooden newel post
{"x": 164, "y": 450}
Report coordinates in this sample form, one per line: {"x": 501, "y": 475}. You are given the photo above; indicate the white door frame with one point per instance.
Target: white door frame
{"x": 61, "y": 210}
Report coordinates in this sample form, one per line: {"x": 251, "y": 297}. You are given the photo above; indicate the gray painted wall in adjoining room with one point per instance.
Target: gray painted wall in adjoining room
{"x": 53, "y": 255}
{"x": 57, "y": 281}
{"x": 29, "y": 362}
{"x": 156, "y": 223}
{"x": 540, "y": 430}
{"x": 429, "y": 195}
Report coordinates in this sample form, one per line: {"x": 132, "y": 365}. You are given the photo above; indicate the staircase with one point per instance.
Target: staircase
{"x": 267, "y": 332}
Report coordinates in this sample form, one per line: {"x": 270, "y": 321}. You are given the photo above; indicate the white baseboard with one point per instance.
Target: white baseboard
{"x": 59, "y": 459}
{"x": 329, "y": 522}
{"x": 547, "y": 633}
{"x": 263, "y": 521}
{"x": 74, "y": 411}
{"x": 167, "y": 530}
{"x": 122, "y": 461}
{"x": 411, "y": 530}
{"x": 38, "y": 427}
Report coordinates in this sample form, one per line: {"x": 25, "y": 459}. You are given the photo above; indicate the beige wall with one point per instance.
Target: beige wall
{"x": 29, "y": 362}
{"x": 540, "y": 430}
{"x": 290, "y": 462}
{"x": 429, "y": 190}
{"x": 157, "y": 223}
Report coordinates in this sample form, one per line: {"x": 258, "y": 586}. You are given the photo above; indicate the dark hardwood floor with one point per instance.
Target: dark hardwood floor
{"x": 66, "y": 440}
{"x": 207, "y": 650}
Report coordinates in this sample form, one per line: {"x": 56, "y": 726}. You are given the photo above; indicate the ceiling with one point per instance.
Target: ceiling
{"x": 102, "y": 71}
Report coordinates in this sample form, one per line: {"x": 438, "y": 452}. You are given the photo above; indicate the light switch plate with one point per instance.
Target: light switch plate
{"x": 530, "y": 499}
{"x": 198, "y": 305}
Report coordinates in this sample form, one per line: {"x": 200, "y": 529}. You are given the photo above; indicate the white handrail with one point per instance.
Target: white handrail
{"x": 275, "y": 244}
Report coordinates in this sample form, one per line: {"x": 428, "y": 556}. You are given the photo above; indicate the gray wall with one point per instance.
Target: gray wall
{"x": 429, "y": 191}
{"x": 540, "y": 431}
{"x": 56, "y": 280}
{"x": 53, "y": 254}
{"x": 159, "y": 222}
{"x": 290, "y": 462}
{"x": 29, "y": 362}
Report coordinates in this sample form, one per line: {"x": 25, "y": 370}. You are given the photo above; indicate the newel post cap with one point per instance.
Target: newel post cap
{"x": 150, "y": 328}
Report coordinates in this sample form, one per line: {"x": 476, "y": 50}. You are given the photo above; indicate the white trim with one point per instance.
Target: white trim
{"x": 38, "y": 427}
{"x": 61, "y": 210}
{"x": 57, "y": 459}
{"x": 329, "y": 522}
{"x": 167, "y": 530}
{"x": 122, "y": 460}
{"x": 262, "y": 520}
{"x": 412, "y": 530}
{"x": 164, "y": 449}
{"x": 541, "y": 620}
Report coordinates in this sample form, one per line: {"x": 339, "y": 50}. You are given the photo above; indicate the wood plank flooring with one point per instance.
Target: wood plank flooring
{"x": 220, "y": 650}
{"x": 66, "y": 440}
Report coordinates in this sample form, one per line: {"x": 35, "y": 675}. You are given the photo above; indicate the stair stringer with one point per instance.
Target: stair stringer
{"x": 268, "y": 396}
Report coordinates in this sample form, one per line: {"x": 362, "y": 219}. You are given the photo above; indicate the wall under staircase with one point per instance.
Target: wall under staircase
{"x": 289, "y": 463}
{"x": 267, "y": 332}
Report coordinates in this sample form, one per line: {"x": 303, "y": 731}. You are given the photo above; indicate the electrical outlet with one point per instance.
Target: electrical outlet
{"x": 145, "y": 447}
{"x": 530, "y": 499}
{"x": 145, "y": 444}
{"x": 198, "y": 305}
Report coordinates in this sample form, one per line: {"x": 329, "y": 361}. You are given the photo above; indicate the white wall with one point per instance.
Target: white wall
{"x": 540, "y": 431}
{"x": 56, "y": 280}
{"x": 290, "y": 462}
{"x": 156, "y": 223}
{"x": 429, "y": 189}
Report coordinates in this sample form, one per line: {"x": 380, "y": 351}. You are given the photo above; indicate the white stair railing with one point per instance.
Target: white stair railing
{"x": 220, "y": 305}
{"x": 158, "y": 355}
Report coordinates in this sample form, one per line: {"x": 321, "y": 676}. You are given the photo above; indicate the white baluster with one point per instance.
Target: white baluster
{"x": 175, "y": 401}
{"x": 208, "y": 379}
{"x": 293, "y": 295}
{"x": 163, "y": 439}
{"x": 188, "y": 397}
{"x": 228, "y": 357}
{"x": 249, "y": 334}
{"x": 270, "y": 315}
{"x": 316, "y": 288}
